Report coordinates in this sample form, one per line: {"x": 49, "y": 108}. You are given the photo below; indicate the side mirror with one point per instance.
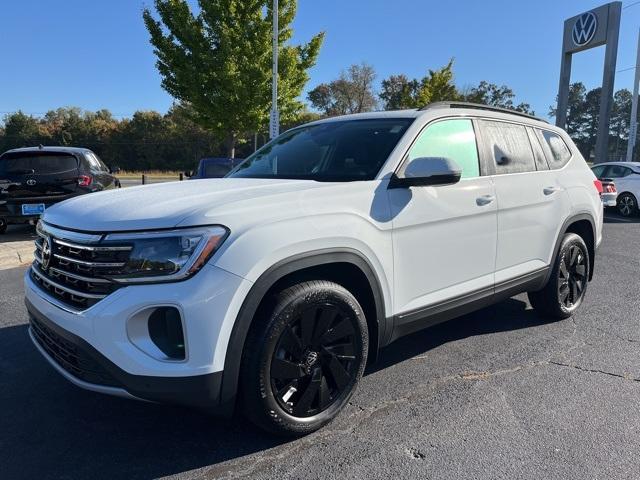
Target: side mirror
{"x": 425, "y": 171}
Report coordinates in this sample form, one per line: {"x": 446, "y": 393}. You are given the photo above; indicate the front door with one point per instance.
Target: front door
{"x": 444, "y": 237}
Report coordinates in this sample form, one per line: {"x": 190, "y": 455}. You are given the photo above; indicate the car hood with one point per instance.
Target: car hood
{"x": 166, "y": 205}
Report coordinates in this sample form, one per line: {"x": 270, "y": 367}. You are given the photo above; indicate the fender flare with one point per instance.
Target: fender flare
{"x": 565, "y": 226}
{"x": 235, "y": 347}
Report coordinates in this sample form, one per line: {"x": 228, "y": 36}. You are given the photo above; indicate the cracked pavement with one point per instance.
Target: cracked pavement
{"x": 500, "y": 393}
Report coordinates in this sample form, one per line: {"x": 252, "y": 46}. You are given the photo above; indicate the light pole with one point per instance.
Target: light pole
{"x": 274, "y": 121}
{"x": 633, "y": 125}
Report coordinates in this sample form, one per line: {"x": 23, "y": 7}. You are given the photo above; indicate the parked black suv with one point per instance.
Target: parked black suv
{"x": 32, "y": 179}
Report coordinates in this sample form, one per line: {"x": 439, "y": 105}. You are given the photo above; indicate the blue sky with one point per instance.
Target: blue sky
{"x": 95, "y": 53}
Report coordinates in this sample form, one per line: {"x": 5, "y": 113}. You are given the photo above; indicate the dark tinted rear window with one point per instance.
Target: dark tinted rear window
{"x": 37, "y": 163}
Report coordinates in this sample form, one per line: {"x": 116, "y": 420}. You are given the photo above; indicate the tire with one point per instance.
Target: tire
{"x": 627, "y": 204}
{"x": 3, "y": 226}
{"x": 564, "y": 292}
{"x": 304, "y": 358}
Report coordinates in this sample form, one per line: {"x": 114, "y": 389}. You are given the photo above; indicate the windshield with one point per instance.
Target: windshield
{"x": 338, "y": 151}
{"x": 36, "y": 163}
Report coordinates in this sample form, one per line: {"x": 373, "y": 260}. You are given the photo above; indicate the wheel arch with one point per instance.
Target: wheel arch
{"x": 584, "y": 225}
{"x": 347, "y": 267}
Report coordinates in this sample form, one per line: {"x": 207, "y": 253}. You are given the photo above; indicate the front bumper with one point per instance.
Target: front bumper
{"x": 92, "y": 348}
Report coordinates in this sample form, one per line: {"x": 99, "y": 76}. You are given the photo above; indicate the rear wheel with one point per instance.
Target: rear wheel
{"x": 302, "y": 364}
{"x": 627, "y": 204}
{"x": 567, "y": 285}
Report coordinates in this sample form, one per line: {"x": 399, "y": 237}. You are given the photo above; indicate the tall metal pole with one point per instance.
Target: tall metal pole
{"x": 633, "y": 124}
{"x": 274, "y": 124}
{"x": 608, "y": 78}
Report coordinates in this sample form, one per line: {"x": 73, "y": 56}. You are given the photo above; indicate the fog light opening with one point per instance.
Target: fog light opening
{"x": 165, "y": 330}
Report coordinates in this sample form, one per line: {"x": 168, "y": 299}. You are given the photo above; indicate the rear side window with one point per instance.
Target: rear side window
{"x": 509, "y": 149}
{"x": 599, "y": 171}
{"x": 617, "y": 171}
{"x": 453, "y": 139}
{"x": 558, "y": 154}
{"x": 36, "y": 163}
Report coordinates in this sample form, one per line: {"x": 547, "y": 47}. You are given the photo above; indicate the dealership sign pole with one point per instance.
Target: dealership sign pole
{"x": 633, "y": 125}
{"x": 274, "y": 121}
{"x": 600, "y": 26}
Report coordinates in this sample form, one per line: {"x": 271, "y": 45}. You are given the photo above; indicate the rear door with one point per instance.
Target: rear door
{"x": 532, "y": 204}
{"x": 101, "y": 178}
{"x": 624, "y": 178}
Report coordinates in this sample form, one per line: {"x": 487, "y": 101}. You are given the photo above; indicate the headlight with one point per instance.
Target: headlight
{"x": 166, "y": 255}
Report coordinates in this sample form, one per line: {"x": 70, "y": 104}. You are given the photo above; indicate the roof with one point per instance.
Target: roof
{"x": 72, "y": 150}
{"x": 462, "y": 108}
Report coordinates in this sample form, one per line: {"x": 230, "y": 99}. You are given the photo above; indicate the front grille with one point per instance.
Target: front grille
{"x": 71, "y": 358}
{"x": 78, "y": 266}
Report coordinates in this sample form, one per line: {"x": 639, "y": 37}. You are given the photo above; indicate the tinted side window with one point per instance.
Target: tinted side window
{"x": 538, "y": 154}
{"x": 508, "y": 147}
{"x": 558, "y": 154}
{"x": 599, "y": 171}
{"x": 617, "y": 171}
{"x": 94, "y": 164}
{"x": 454, "y": 139}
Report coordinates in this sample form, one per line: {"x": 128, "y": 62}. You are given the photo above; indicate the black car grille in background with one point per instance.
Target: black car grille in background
{"x": 71, "y": 358}
{"x": 75, "y": 273}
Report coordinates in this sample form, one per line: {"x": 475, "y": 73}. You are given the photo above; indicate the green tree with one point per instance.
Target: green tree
{"x": 399, "y": 92}
{"x": 438, "y": 86}
{"x": 219, "y": 61}
{"x": 352, "y": 92}
{"x": 21, "y": 130}
{"x": 496, "y": 96}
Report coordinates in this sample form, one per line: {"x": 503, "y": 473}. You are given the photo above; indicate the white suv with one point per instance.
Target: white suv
{"x": 272, "y": 288}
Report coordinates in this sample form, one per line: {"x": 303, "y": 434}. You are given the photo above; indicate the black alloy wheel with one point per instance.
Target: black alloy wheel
{"x": 315, "y": 359}
{"x": 572, "y": 276}
{"x": 627, "y": 204}
{"x": 303, "y": 358}
{"x": 565, "y": 289}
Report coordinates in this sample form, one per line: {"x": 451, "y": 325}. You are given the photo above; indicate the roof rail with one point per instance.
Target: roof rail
{"x": 479, "y": 106}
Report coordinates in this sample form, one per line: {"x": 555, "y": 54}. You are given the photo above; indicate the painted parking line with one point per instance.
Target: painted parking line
{"x": 620, "y": 219}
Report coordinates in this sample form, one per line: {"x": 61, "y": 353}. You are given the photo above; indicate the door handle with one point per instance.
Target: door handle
{"x": 551, "y": 190}
{"x": 485, "y": 200}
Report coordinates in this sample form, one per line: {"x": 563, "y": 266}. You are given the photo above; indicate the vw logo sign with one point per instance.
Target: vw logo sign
{"x": 46, "y": 252}
{"x": 31, "y": 182}
{"x": 584, "y": 29}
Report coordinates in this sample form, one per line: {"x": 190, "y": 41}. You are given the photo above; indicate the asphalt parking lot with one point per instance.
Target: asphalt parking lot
{"x": 500, "y": 393}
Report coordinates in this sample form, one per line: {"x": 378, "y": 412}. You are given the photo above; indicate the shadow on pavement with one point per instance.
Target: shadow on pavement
{"x": 505, "y": 316}
{"x": 18, "y": 233}
{"x": 49, "y": 428}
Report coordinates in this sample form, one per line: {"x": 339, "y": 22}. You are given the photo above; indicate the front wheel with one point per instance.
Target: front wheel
{"x": 567, "y": 285}
{"x": 304, "y": 360}
{"x": 3, "y": 226}
{"x": 627, "y": 204}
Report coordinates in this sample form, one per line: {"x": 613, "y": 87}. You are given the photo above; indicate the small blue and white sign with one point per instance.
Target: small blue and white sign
{"x": 29, "y": 209}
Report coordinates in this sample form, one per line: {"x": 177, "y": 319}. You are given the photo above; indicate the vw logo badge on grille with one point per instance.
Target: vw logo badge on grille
{"x": 31, "y": 182}
{"x": 584, "y": 29}
{"x": 46, "y": 252}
